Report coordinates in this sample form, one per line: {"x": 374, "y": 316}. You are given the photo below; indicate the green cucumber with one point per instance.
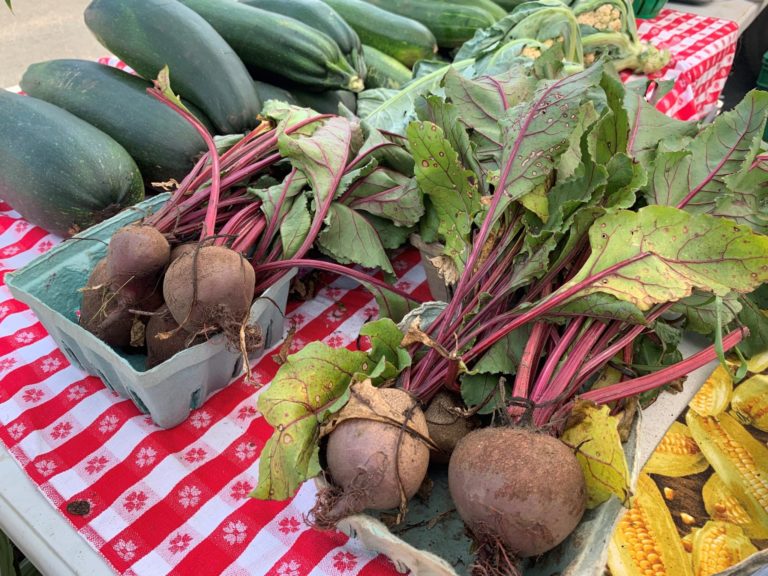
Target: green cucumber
{"x": 383, "y": 70}
{"x": 271, "y": 92}
{"x": 452, "y": 24}
{"x": 406, "y": 40}
{"x": 150, "y": 34}
{"x": 318, "y": 15}
{"x": 58, "y": 171}
{"x": 326, "y": 102}
{"x": 279, "y": 45}
{"x": 163, "y": 144}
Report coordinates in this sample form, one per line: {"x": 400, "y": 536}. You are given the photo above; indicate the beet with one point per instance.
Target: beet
{"x": 445, "y": 426}
{"x": 362, "y": 455}
{"x": 136, "y": 251}
{"x": 161, "y": 349}
{"x": 520, "y": 487}
{"x": 102, "y": 313}
{"x": 182, "y": 249}
{"x": 209, "y": 288}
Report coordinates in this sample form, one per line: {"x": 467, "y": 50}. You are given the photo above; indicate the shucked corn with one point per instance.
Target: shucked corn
{"x": 646, "y": 542}
{"x": 714, "y": 395}
{"x": 677, "y": 454}
{"x": 717, "y": 546}
{"x": 750, "y": 402}
{"x": 740, "y": 461}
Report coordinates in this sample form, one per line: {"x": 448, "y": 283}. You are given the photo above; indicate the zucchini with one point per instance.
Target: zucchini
{"x": 383, "y": 70}
{"x": 326, "y": 102}
{"x": 270, "y": 92}
{"x": 452, "y": 24}
{"x": 402, "y": 38}
{"x": 281, "y": 45}
{"x": 58, "y": 171}
{"x": 162, "y": 143}
{"x": 149, "y": 34}
{"x": 493, "y": 8}
{"x": 318, "y": 15}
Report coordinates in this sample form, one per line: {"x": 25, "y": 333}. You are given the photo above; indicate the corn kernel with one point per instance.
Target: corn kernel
{"x": 669, "y": 493}
{"x": 687, "y": 519}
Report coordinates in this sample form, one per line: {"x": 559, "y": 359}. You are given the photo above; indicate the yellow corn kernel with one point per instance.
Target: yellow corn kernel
{"x": 718, "y": 546}
{"x": 687, "y": 519}
{"x": 669, "y": 493}
{"x": 740, "y": 461}
{"x": 750, "y": 402}
{"x": 721, "y": 504}
{"x": 677, "y": 454}
{"x": 715, "y": 394}
{"x": 687, "y": 541}
{"x": 645, "y": 540}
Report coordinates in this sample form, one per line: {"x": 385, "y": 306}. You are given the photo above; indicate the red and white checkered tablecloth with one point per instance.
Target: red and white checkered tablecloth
{"x": 176, "y": 501}
{"x": 702, "y": 50}
{"x": 168, "y": 501}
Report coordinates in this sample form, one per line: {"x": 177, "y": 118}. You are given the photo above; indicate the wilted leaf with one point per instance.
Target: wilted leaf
{"x": 295, "y": 226}
{"x": 309, "y": 386}
{"x": 599, "y": 451}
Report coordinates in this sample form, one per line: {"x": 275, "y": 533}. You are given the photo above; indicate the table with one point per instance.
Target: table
{"x": 743, "y": 12}
{"x": 282, "y": 545}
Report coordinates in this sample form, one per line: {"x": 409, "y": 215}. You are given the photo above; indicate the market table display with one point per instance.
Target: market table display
{"x": 154, "y": 501}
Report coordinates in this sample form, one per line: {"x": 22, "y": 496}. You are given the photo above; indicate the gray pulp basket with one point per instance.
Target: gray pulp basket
{"x": 50, "y": 285}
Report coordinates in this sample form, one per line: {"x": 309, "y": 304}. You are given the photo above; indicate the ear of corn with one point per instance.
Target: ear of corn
{"x": 758, "y": 363}
{"x": 722, "y": 505}
{"x": 715, "y": 394}
{"x": 719, "y": 545}
{"x": 645, "y": 542}
{"x": 750, "y": 402}
{"x": 677, "y": 454}
{"x": 740, "y": 461}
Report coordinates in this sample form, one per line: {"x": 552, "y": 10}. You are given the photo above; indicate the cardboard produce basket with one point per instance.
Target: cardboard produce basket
{"x": 50, "y": 285}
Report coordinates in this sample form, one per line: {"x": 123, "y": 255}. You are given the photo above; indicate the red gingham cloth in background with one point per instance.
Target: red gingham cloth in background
{"x": 176, "y": 501}
{"x": 702, "y": 50}
{"x": 169, "y": 501}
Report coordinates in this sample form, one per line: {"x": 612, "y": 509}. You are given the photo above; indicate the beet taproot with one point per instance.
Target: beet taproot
{"x": 209, "y": 288}
{"x": 136, "y": 252}
{"x": 165, "y": 339}
{"x": 446, "y": 426}
{"x": 521, "y": 487}
{"x": 365, "y": 457}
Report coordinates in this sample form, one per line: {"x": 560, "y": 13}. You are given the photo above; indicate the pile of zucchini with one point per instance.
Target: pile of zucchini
{"x": 226, "y": 58}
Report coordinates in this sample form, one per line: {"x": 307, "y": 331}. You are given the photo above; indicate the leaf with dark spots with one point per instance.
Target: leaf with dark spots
{"x": 661, "y": 254}
{"x": 536, "y": 133}
{"x": 451, "y": 188}
{"x": 601, "y": 306}
{"x": 310, "y": 385}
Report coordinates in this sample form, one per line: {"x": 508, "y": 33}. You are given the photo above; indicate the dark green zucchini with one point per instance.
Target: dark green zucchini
{"x": 452, "y": 24}
{"x": 162, "y": 143}
{"x": 326, "y": 102}
{"x": 279, "y": 45}
{"x": 493, "y": 8}
{"x": 149, "y": 34}
{"x": 271, "y": 92}
{"x": 318, "y": 15}
{"x": 383, "y": 70}
{"x": 58, "y": 171}
{"x": 402, "y": 38}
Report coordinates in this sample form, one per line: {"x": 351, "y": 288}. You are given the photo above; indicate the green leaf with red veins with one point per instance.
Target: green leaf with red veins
{"x": 697, "y": 177}
{"x": 610, "y": 133}
{"x": 661, "y": 254}
{"x": 322, "y": 156}
{"x": 387, "y": 194}
{"x": 481, "y": 106}
{"x": 748, "y": 201}
{"x": 295, "y": 226}
{"x": 647, "y": 125}
{"x": 349, "y": 238}
{"x": 536, "y": 133}
{"x": 312, "y": 383}
{"x": 451, "y": 188}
